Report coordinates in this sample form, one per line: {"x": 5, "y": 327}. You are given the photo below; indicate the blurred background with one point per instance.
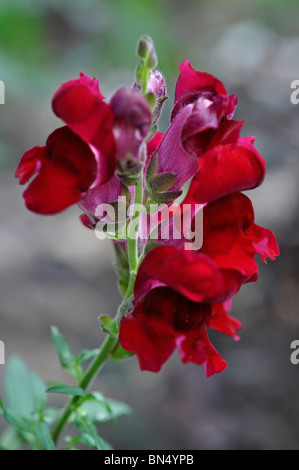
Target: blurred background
{"x": 53, "y": 271}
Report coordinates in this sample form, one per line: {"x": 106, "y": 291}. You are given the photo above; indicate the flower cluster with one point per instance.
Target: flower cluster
{"x": 106, "y": 150}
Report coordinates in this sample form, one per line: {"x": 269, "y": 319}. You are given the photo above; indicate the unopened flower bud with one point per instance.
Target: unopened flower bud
{"x": 156, "y": 84}
{"x": 144, "y": 47}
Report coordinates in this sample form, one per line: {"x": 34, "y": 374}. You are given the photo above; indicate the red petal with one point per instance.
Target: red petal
{"x": 264, "y": 242}
{"x": 30, "y": 164}
{"x": 226, "y": 169}
{"x": 199, "y": 280}
{"x": 80, "y": 105}
{"x": 195, "y": 347}
{"x": 67, "y": 169}
{"x": 148, "y": 336}
{"x": 191, "y": 80}
{"x": 221, "y": 321}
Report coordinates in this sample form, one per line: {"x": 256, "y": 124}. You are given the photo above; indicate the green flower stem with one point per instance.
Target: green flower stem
{"x": 145, "y": 80}
{"x": 107, "y": 346}
{"x": 132, "y": 236}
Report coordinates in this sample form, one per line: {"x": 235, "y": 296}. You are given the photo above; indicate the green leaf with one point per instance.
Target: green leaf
{"x": 38, "y": 388}
{"x": 66, "y": 358}
{"x": 108, "y": 326}
{"x": 101, "y": 409}
{"x": 82, "y": 439}
{"x": 67, "y": 390}
{"x": 62, "y": 347}
{"x": 43, "y": 434}
{"x": 51, "y": 415}
{"x": 86, "y": 426}
{"x": 11, "y": 439}
{"x": 121, "y": 256}
{"x": 24, "y": 391}
{"x": 20, "y": 422}
{"x": 86, "y": 355}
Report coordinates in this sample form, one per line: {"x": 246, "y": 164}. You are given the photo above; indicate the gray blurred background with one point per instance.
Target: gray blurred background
{"x": 53, "y": 271}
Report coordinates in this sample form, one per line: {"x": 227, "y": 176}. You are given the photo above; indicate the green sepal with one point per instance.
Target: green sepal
{"x": 152, "y": 167}
{"x": 151, "y": 99}
{"x": 166, "y": 197}
{"x": 119, "y": 354}
{"x": 160, "y": 183}
{"x": 108, "y": 326}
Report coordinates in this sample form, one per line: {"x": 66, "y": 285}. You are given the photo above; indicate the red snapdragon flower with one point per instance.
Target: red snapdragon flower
{"x": 203, "y": 141}
{"x": 82, "y": 156}
{"x": 179, "y": 293}
{"x": 173, "y": 308}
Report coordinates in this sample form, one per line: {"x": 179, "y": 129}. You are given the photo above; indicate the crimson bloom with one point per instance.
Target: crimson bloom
{"x": 82, "y": 156}
{"x": 179, "y": 293}
{"x": 203, "y": 141}
{"x": 65, "y": 170}
{"x": 172, "y": 310}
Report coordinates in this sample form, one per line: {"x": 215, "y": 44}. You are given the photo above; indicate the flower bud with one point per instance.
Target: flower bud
{"x": 156, "y": 84}
{"x": 146, "y": 51}
{"x": 132, "y": 120}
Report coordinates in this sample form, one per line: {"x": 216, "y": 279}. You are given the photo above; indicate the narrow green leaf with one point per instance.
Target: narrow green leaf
{"x": 86, "y": 355}
{"x": 66, "y": 358}
{"x": 101, "y": 410}
{"x": 121, "y": 256}
{"x": 62, "y": 347}
{"x": 67, "y": 390}
{"x": 43, "y": 434}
